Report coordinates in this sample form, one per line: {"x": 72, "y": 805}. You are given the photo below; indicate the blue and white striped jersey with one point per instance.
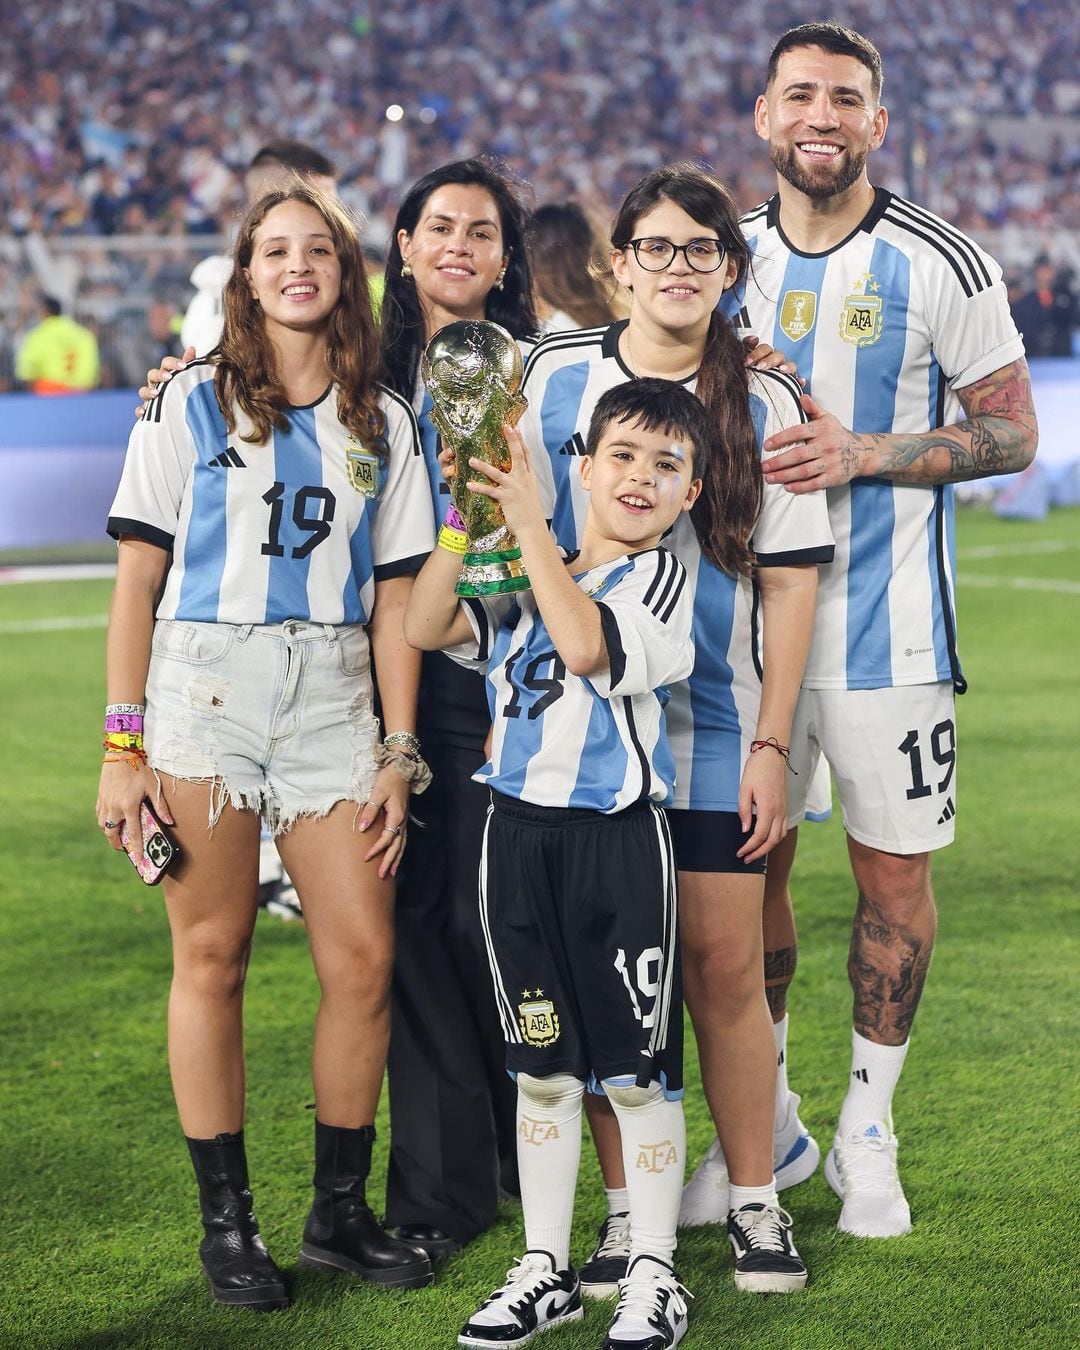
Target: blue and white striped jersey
{"x": 885, "y": 327}
{"x": 712, "y": 717}
{"x": 593, "y": 743}
{"x": 299, "y": 528}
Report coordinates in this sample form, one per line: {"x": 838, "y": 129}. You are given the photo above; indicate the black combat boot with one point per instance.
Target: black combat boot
{"x": 238, "y": 1266}
{"x": 341, "y": 1232}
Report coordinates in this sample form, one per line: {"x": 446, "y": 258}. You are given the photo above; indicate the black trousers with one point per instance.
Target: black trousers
{"x": 452, "y": 1105}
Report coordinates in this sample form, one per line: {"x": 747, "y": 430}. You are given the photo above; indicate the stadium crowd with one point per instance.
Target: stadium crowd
{"x": 122, "y": 118}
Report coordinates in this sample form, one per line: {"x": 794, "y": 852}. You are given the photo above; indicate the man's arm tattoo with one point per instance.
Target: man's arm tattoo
{"x": 999, "y": 435}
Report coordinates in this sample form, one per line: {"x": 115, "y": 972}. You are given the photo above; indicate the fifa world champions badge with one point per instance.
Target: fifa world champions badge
{"x": 473, "y": 372}
{"x": 537, "y": 1019}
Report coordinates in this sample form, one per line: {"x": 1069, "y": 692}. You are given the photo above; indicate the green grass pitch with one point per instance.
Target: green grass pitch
{"x": 100, "y": 1223}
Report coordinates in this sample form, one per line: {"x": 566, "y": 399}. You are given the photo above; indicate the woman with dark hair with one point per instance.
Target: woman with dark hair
{"x": 565, "y": 248}
{"x": 457, "y": 252}
{"x": 271, "y": 515}
{"x": 675, "y": 247}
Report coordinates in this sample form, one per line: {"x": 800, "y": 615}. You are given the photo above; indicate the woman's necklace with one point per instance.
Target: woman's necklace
{"x": 636, "y": 369}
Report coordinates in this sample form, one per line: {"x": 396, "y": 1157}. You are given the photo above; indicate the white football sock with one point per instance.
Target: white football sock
{"x": 779, "y": 1031}
{"x": 875, "y": 1071}
{"x": 548, "y": 1152}
{"x": 654, "y": 1156}
{"x": 618, "y": 1200}
{"x": 752, "y": 1195}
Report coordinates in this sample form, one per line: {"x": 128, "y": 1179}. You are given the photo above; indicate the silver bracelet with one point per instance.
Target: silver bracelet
{"x": 406, "y": 740}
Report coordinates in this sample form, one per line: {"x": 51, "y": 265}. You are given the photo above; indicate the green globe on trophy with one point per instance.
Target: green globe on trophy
{"x": 472, "y": 370}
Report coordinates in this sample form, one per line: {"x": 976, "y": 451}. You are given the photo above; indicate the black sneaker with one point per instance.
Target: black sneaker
{"x": 766, "y": 1261}
{"x": 651, "y": 1314}
{"x": 601, "y": 1273}
{"x": 535, "y": 1296}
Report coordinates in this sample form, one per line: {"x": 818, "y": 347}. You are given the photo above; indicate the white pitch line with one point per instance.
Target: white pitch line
{"x": 1017, "y": 550}
{"x": 1022, "y": 584}
{"x": 12, "y": 576}
{"x": 57, "y": 625}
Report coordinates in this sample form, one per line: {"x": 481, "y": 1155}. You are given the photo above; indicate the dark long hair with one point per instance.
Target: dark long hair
{"x": 564, "y": 244}
{"x": 247, "y": 371}
{"x": 725, "y": 513}
{"x": 512, "y": 306}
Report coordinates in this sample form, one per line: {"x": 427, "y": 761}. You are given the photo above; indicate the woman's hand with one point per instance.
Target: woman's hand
{"x": 121, "y": 790}
{"x": 761, "y": 356}
{"x": 517, "y": 491}
{"x": 160, "y": 376}
{"x": 763, "y": 802}
{"x": 389, "y": 796}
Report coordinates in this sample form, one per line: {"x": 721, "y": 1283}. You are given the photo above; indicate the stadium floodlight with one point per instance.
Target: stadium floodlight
{"x": 395, "y": 112}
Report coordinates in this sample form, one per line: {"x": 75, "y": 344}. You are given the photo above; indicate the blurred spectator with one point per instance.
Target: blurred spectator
{"x": 164, "y": 325}
{"x": 58, "y": 355}
{"x": 564, "y": 245}
{"x": 1049, "y": 313}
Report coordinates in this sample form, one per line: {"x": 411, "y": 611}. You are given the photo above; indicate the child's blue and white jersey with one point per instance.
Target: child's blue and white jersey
{"x": 712, "y": 717}
{"x": 432, "y": 443}
{"x": 298, "y": 528}
{"x": 885, "y": 327}
{"x": 596, "y": 742}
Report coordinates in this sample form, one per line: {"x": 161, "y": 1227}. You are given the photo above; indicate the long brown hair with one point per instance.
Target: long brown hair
{"x": 247, "y": 371}
{"x": 563, "y": 245}
{"x": 725, "y": 513}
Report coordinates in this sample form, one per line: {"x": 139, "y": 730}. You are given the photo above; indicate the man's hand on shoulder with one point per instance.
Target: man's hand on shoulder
{"x": 813, "y": 455}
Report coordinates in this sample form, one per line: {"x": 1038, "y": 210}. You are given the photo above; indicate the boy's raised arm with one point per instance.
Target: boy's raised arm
{"x": 434, "y": 618}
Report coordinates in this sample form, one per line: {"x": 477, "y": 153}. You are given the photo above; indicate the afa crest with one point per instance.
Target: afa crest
{"x": 863, "y": 315}
{"x": 797, "y": 314}
{"x": 538, "y": 1020}
{"x": 362, "y": 467}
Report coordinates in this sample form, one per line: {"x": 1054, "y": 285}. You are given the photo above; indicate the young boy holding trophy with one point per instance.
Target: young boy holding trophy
{"x": 577, "y": 880}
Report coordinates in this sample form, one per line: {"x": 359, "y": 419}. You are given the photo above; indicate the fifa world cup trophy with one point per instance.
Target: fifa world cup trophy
{"x": 473, "y": 372}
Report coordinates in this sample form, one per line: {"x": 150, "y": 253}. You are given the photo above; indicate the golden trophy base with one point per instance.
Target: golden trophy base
{"x": 500, "y": 573}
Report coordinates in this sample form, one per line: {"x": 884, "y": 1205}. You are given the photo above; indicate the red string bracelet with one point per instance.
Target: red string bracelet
{"x": 784, "y": 751}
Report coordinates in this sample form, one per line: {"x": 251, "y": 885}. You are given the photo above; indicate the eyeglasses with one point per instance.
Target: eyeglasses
{"x": 703, "y": 255}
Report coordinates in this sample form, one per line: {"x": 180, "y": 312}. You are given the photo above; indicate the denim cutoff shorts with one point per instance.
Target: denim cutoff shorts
{"x": 277, "y": 717}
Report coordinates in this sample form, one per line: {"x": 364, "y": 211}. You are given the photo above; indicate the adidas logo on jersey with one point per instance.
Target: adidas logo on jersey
{"x": 948, "y": 813}
{"x": 574, "y": 446}
{"x": 228, "y": 459}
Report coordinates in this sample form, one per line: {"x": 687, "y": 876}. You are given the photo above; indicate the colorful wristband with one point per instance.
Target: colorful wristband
{"x": 453, "y": 519}
{"x": 453, "y": 541}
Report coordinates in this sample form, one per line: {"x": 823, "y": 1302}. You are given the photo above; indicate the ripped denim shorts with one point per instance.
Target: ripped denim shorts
{"x": 278, "y": 717}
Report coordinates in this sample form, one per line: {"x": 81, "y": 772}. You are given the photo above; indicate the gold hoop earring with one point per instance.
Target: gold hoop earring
{"x": 406, "y": 270}
{"x": 500, "y": 279}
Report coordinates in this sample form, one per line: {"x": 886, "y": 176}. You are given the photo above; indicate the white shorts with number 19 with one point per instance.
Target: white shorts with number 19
{"x": 893, "y": 754}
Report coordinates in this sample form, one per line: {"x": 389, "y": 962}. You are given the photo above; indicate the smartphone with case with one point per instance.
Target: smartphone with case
{"x": 160, "y": 850}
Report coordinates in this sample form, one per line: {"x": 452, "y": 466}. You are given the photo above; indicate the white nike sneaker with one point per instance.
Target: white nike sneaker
{"x": 535, "y": 1297}
{"x": 861, "y": 1169}
{"x": 651, "y": 1312}
{"x": 795, "y": 1158}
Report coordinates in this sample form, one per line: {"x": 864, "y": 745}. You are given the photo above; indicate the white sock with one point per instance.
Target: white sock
{"x": 752, "y": 1195}
{"x": 779, "y": 1031}
{"x": 654, "y": 1156}
{"x": 875, "y": 1071}
{"x": 618, "y": 1200}
{"x": 548, "y": 1152}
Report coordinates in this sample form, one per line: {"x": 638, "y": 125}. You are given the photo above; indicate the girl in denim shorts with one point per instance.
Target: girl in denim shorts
{"x": 271, "y": 515}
